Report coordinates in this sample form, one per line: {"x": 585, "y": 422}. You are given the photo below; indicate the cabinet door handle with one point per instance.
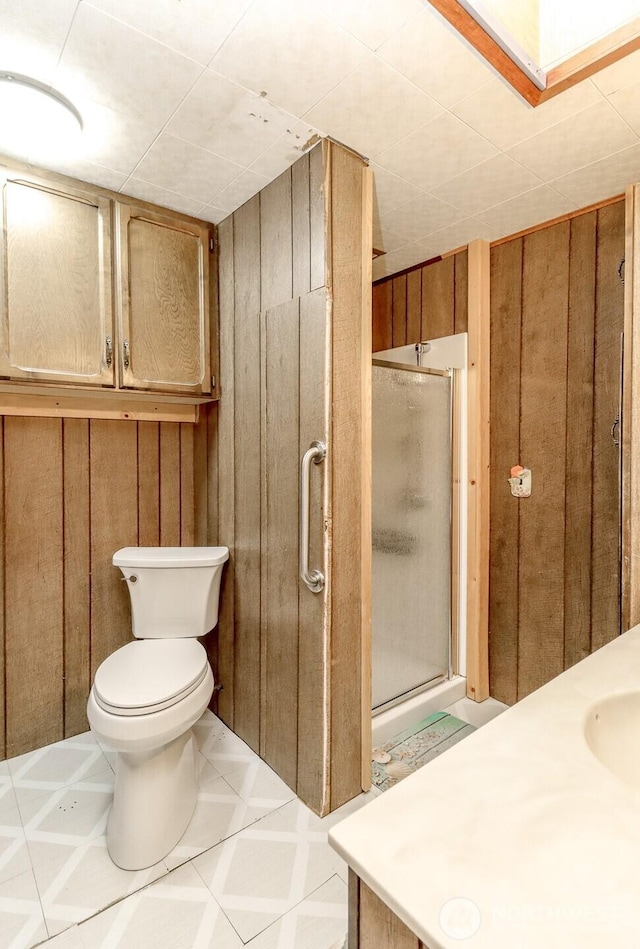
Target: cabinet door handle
{"x": 125, "y": 352}
{"x": 316, "y": 453}
{"x": 109, "y": 351}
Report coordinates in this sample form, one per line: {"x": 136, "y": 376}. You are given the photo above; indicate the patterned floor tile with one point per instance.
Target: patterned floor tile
{"x": 69, "y": 939}
{"x": 14, "y": 852}
{"x": 261, "y": 873}
{"x": 56, "y": 766}
{"x": 318, "y": 922}
{"x": 77, "y": 882}
{"x": 221, "y": 747}
{"x": 177, "y": 912}
{"x": 219, "y": 814}
{"x": 21, "y": 921}
{"x": 258, "y": 784}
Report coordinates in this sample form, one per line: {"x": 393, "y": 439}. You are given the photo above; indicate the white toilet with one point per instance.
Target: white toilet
{"x": 148, "y": 694}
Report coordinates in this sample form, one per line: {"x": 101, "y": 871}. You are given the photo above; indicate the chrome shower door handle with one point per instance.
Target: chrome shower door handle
{"x": 316, "y": 453}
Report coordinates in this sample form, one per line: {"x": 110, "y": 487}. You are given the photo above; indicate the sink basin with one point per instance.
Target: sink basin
{"x": 612, "y": 730}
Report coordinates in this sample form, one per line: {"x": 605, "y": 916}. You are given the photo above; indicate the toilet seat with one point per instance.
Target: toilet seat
{"x": 149, "y": 675}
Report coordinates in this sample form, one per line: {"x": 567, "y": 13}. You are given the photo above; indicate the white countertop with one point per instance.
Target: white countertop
{"x": 521, "y": 819}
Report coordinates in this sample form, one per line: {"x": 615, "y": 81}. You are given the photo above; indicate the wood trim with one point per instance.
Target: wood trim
{"x": 108, "y": 407}
{"x": 599, "y": 55}
{"x": 478, "y": 414}
{"x": 366, "y": 474}
{"x": 631, "y": 418}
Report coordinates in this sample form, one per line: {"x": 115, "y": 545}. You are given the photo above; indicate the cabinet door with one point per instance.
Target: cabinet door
{"x": 55, "y": 280}
{"x": 163, "y": 303}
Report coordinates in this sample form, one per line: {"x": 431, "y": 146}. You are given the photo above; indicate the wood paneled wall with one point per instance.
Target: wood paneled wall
{"x": 72, "y": 492}
{"x": 290, "y": 264}
{"x": 556, "y": 320}
{"x": 425, "y": 303}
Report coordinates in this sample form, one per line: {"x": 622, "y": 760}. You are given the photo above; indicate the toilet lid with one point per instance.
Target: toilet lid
{"x": 149, "y": 675}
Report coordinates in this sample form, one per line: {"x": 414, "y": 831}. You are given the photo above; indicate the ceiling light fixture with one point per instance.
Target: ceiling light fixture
{"x": 35, "y": 120}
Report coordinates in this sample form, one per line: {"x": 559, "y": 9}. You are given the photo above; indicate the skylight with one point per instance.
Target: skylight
{"x": 544, "y": 46}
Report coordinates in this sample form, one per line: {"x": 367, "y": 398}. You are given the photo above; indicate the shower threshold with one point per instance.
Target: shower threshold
{"x": 393, "y": 717}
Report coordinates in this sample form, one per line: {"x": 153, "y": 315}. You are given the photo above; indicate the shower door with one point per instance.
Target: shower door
{"x": 411, "y": 571}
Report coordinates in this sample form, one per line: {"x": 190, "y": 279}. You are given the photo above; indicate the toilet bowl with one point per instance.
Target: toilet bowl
{"x": 147, "y": 695}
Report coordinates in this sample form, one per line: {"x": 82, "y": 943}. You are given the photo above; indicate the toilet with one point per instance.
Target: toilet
{"x": 147, "y": 696}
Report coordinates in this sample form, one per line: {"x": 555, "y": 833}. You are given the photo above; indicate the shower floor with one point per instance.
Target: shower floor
{"x": 416, "y": 746}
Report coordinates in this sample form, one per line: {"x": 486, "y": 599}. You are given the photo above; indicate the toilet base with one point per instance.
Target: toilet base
{"x": 154, "y": 798}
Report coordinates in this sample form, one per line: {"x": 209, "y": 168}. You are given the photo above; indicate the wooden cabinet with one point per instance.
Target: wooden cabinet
{"x": 163, "y": 302}
{"x": 55, "y": 278}
{"x": 100, "y": 293}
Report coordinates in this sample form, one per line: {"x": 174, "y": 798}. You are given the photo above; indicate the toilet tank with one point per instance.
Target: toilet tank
{"x": 174, "y": 590}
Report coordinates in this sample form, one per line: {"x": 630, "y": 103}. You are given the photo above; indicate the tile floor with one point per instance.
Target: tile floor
{"x": 253, "y": 869}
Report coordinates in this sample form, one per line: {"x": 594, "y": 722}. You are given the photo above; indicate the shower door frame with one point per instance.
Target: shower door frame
{"x": 454, "y": 528}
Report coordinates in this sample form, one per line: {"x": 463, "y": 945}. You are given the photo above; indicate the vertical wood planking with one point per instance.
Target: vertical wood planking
{"x": 220, "y": 648}
{"x": 170, "y": 484}
{"x": 379, "y": 927}
{"x": 631, "y": 416}
{"x": 301, "y": 227}
{"x": 542, "y": 443}
{"x": 317, "y": 217}
{"x": 187, "y": 487}
{"x": 77, "y": 603}
{"x": 114, "y": 524}
{"x": 382, "y": 305}
{"x": 414, "y": 305}
{"x": 399, "y": 321}
{"x": 312, "y": 777}
{"x": 506, "y": 293}
{"x": 461, "y": 292}
{"x": 579, "y": 448}
{"x": 33, "y": 560}
{"x": 348, "y": 505}
{"x": 605, "y": 590}
{"x": 280, "y": 540}
{"x": 276, "y": 247}
{"x": 438, "y": 299}
{"x": 149, "y": 484}
{"x": 248, "y": 472}
{"x": 201, "y": 480}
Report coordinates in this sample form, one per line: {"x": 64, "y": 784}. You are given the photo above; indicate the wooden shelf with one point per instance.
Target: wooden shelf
{"x": 51, "y": 402}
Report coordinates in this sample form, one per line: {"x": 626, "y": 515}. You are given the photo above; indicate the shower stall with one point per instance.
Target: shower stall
{"x": 418, "y": 453}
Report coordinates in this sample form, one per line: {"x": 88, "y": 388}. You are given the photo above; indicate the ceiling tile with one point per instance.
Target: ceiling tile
{"x": 623, "y": 73}
{"x": 211, "y": 213}
{"x": 224, "y": 118}
{"x": 372, "y": 22}
{"x": 294, "y": 61}
{"x": 526, "y": 210}
{"x": 147, "y": 191}
{"x": 185, "y": 169}
{"x": 88, "y": 171}
{"x": 499, "y": 114}
{"x": 419, "y": 218}
{"x": 432, "y": 54}
{"x": 440, "y": 150}
{"x": 239, "y": 190}
{"x": 578, "y": 141}
{"x": 363, "y": 109}
{"x": 113, "y": 139}
{"x": 456, "y": 235}
{"x": 485, "y": 185}
{"x": 416, "y": 252}
{"x": 386, "y": 240}
{"x": 297, "y": 140}
{"x": 389, "y": 191}
{"x": 627, "y": 103}
{"x": 33, "y": 35}
{"x": 115, "y": 65}
{"x": 602, "y": 179}
{"x": 195, "y": 28}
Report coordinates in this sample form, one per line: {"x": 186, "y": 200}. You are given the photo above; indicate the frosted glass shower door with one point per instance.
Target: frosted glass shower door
{"x": 411, "y": 595}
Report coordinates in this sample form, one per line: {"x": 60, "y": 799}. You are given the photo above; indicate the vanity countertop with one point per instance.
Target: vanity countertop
{"x": 533, "y": 839}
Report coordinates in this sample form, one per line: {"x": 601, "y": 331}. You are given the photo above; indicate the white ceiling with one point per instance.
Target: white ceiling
{"x": 197, "y": 104}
